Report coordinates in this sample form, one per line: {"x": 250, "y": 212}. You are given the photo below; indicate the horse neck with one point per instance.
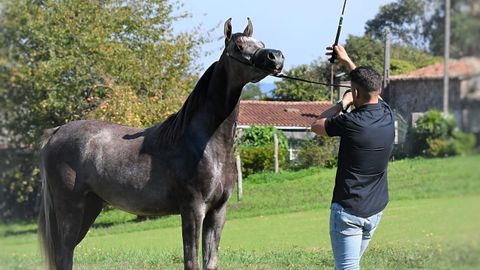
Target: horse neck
{"x": 220, "y": 110}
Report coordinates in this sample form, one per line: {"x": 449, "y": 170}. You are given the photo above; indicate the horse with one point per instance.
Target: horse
{"x": 183, "y": 165}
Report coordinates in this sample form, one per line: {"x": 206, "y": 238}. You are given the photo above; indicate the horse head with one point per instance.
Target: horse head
{"x": 243, "y": 50}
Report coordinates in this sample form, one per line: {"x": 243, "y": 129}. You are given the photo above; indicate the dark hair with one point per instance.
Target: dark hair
{"x": 367, "y": 78}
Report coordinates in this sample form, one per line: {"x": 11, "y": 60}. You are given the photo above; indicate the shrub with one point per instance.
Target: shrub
{"x": 258, "y": 136}
{"x": 436, "y": 135}
{"x": 463, "y": 142}
{"x": 440, "y": 148}
{"x": 320, "y": 151}
{"x": 260, "y": 158}
{"x": 256, "y": 147}
{"x": 19, "y": 185}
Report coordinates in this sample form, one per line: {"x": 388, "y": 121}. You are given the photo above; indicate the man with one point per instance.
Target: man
{"x": 367, "y": 134}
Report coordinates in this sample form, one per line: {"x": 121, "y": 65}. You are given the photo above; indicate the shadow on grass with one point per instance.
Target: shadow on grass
{"x": 9, "y": 233}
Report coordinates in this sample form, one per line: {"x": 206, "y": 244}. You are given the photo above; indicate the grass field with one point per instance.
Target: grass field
{"x": 282, "y": 223}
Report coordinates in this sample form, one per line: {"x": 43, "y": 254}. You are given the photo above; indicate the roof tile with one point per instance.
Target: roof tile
{"x": 280, "y": 113}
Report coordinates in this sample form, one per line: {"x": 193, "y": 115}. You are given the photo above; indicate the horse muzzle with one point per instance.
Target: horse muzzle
{"x": 269, "y": 60}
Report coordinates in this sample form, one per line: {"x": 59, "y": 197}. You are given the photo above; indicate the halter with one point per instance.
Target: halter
{"x": 281, "y": 76}
{"x": 244, "y": 61}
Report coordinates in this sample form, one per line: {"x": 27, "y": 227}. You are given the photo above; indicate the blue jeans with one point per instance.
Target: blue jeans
{"x": 350, "y": 235}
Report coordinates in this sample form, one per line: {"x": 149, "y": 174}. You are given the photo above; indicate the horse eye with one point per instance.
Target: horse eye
{"x": 240, "y": 47}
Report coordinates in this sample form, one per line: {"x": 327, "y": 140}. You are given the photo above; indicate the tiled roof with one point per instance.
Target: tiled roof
{"x": 464, "y": 67}
{"x": 280, "y": 113}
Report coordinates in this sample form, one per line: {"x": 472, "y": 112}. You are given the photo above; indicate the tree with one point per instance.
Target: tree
{"x": 465, "y": 28}
{"x": 252, "y": 92}
{"x": 404, "y": 58}
{"x": 364, "y": 50}
{"x": 405, "y": 18}
{"x": 420, "y": 23}
{"x": 67, "y": 60}
{"x": 297, "y": 91}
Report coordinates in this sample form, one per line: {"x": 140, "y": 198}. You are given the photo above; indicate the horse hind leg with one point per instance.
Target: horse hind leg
{"x": 65, "y": 217}
{"x": 59, "y": 228}
{"x": 74, "y": 218}
{"x": 69, "y": 218}
{"x": 93, "y": 207}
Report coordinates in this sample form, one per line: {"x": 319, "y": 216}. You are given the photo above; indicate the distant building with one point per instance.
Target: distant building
{"x": 414, "y": 93}
{"x": 293, "y": 118}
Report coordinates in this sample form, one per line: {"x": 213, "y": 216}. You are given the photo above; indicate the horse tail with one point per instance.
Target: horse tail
{"x": 47, "y": 223}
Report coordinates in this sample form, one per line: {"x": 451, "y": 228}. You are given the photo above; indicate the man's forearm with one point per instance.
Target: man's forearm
{"x": 350, "y": 65}
{"x": 319, "y": 125}
{"x": 332, "y": 111}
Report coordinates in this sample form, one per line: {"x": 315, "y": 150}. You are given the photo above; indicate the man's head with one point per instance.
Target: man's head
{"x": 366, "y": 85}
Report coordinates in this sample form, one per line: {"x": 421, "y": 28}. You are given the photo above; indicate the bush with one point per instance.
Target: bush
{"x": 19, "y": 185}
{"x": 437, "y": 136}
{"x": 260, "y": 158}
{"x": 440, "y": 148}
{"x": 259, "y": 136}
{"x": 320, "y": 151}
{"x": 256, "y": 147}
{"x": 464, "y": 142}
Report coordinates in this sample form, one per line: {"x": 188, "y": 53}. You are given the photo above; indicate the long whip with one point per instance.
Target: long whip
{"x": 339, "y": 30}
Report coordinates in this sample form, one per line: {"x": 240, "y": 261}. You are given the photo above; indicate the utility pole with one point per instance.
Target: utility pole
{"x": 386, "y": 59}
{"x": 446, "y": 57}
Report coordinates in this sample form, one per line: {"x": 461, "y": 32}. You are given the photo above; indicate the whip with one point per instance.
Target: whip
{"x": 339, "y": 30}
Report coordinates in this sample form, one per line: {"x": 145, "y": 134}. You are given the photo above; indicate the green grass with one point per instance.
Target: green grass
{"x": 282, "y": 223}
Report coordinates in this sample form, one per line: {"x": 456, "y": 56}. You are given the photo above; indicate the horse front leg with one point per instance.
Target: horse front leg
{"x": 212, "y": 230}
{"x": 192, "y": 218}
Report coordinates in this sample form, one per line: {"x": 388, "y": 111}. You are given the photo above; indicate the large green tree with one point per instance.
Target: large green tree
{"x": 366, "y": 50}
{"x": 421, "y": 23}
{"x": 299, "y": 91}
{"x": 67, "y": 60}
{"x": 465, "y": 28}
{"x": 252, "y": 91}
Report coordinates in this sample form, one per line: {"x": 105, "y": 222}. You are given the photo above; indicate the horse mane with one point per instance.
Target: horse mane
{"x": 170, "y": 130}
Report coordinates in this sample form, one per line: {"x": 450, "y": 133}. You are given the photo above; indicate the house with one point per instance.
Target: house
{"x": 293, "y": 118}
{"x": 416, "y": 92}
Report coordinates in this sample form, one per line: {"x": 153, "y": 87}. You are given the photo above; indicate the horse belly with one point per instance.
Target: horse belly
{"x": 150, "y": 199}
{"x": 128, "y": 182}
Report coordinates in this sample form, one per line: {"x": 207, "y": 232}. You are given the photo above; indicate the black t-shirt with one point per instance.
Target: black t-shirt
{"x": 366, "y": 143}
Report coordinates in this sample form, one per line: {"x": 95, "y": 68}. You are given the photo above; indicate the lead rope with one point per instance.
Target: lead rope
{"x": 283, "y": 76}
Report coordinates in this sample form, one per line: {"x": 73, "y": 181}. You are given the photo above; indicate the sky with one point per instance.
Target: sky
{"x": 301, "y": 29}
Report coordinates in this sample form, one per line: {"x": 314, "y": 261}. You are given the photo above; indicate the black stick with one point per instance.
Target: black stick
{"x": 339, "y": 29}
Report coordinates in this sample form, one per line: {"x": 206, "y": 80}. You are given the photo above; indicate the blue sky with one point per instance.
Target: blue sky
{"x": 301, "y": 29}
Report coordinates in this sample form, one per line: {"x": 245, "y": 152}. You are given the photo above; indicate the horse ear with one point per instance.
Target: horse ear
{"x": 249, "y": 29}
{"x": 227, "y": 29}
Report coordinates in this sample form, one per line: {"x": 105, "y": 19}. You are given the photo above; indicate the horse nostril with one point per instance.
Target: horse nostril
{"x": 271, "y": 56}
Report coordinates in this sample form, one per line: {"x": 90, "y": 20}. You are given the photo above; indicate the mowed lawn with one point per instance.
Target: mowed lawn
{"x": 282, "y": 223}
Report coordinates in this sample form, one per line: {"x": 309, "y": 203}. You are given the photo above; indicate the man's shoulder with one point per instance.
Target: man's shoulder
{"x": 384, "y": 104}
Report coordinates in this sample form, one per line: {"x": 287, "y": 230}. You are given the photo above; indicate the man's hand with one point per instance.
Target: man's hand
{"x": 342, "y": 56}
{"x": 347, "y": 99}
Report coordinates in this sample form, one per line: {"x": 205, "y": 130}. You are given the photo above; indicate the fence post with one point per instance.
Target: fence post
{"x": 239, "y": 178}
{"x": 275, "y": 153}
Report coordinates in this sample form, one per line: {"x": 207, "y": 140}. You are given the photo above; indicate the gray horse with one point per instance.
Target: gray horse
{"x": 183, "y": 166}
